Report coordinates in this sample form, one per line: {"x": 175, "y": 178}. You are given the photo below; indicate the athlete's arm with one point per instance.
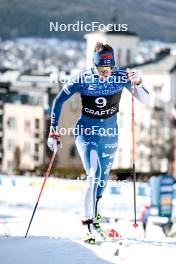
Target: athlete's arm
{"x": 140, "y": 92}
{"x": 66, "y": 92}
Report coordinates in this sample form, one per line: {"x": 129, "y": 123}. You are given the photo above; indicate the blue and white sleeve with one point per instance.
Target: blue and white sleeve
{"x": 140, "y": 92}
{"x": 65, "y": 93}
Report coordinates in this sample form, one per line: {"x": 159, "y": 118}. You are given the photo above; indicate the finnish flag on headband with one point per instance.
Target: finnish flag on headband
{"x": 104, "y": 58}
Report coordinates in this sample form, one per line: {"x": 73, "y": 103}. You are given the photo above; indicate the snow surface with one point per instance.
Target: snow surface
{"x": 44, "y": 250}
{"x": 54, "y": 236}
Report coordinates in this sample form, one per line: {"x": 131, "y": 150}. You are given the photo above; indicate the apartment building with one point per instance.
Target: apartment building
{"x": 23, "y": 139}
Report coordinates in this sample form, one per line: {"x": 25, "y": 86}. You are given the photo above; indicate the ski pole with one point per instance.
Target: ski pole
{"x": 133, "y": 153}
{"x": 46, "y": 176}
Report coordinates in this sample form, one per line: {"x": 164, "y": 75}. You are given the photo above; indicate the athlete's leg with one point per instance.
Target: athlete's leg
{"x": 88, "y": 151}
{"x": 106, "y": 162}
{"x": 106, "y": 152}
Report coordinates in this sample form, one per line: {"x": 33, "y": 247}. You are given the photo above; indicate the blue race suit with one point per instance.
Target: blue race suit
{"x": 97, "y": 139}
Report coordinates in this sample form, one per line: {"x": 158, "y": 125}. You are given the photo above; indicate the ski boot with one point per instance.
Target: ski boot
{"x": 89, "y": 237}
{"x": 96, "y": 225}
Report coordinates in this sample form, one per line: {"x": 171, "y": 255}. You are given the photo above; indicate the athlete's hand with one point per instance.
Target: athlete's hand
{"x": 134, "y": 77}
{"x": 53, "y": 140}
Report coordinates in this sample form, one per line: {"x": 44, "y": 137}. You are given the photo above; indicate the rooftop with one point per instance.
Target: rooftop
{"x": 121, "y": 33}
{"x": 115, "y": 31}
{"x": 165, "y": 61}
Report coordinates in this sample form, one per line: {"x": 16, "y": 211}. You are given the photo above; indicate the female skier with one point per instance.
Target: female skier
{"x": 100, "y": 89}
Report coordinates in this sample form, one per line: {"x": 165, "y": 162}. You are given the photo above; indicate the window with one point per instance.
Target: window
{"x": 11, "y": 123}
{"x": 119, "y": 56}
{"x": 10, "y": 165}
{"x": 37, "y": 135}
{"x": 36, "y": 147}
{"x": 11, "y": 145}
{"x": 37, "y": 123}
{"x": 128, "y": 56}
{"x": 72, "y": 153}
{"x": 36, "y": 158}
{"x": 157, "y": 88}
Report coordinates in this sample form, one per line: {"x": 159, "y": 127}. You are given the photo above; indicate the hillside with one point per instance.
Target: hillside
{"x": 154, "y": 19}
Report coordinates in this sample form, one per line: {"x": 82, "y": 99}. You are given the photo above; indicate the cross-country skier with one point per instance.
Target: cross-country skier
{"x": 100, "y": 88}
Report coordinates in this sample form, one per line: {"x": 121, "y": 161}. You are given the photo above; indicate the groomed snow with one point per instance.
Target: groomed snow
{"x": 54, "y": 236}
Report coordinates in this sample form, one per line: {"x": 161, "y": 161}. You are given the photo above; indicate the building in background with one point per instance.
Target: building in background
{"x": 4, "y": 87}
{"x": 23, "y": 141}
{"x": 31, "y": 90}
{"x": 153, "y": 125}
{"x": 31, "y": 95}
{"x": 152, "y": 122}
